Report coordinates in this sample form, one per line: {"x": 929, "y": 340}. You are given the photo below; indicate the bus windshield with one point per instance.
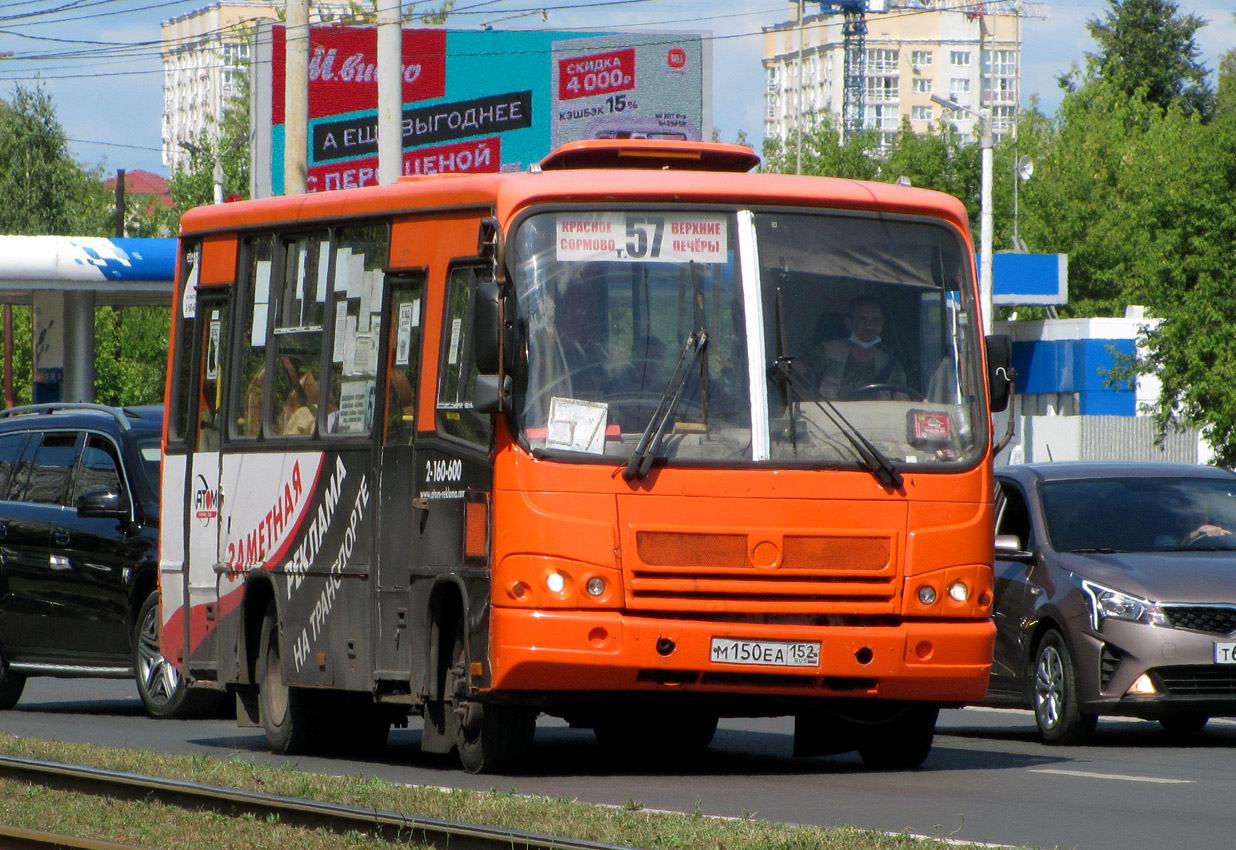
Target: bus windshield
{"x": 738, "y": 336}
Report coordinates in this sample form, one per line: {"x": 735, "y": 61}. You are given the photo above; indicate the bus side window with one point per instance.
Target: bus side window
{"x": 457, "y": 372}
{"x": 356, "y": 320}
{"x": 299, "y": 315}
{"x": 210, "y": 381}
{"x": 403, "y": 357}
{"x": 182, "y": 327}
{"x": 250, "y": 389}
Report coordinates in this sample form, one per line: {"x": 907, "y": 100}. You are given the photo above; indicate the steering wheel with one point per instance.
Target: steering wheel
{"x": 1211, "y": 541}
{"x": 872, "y": 390}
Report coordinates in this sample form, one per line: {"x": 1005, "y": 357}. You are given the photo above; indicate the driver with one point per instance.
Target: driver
{"x": 858, "y": 361}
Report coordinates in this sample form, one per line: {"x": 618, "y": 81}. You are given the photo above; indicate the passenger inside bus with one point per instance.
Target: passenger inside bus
{"x": 300, "y": 403}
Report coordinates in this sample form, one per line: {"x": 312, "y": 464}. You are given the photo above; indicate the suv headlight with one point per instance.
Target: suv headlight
{"x": 1105, "y": 602}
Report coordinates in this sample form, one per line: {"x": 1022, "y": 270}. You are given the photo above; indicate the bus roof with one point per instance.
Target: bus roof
{"x": 656, "y": 171}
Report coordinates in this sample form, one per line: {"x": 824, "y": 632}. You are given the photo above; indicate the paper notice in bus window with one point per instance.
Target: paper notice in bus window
{"x": 642, "y": 238}
{"x": 188, "y": 303}
{"x": 364, "y": 355}
{"x": 355, "y": 408}
{"x": 452, "y": 354}
{"x": 409, "y": 312}
{"x": 341, "y": 331}
{"x": 577, "y": 425}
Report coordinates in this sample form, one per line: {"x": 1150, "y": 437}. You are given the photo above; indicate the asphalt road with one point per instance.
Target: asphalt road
{"x": 986, "y": 780}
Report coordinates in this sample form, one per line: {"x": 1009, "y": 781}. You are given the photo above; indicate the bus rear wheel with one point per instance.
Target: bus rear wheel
{"x": 286, "y": 712}
{"x": 903, "y": 741}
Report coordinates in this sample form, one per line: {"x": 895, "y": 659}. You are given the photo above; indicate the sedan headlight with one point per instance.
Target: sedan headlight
{"x": 1105, "y": 602}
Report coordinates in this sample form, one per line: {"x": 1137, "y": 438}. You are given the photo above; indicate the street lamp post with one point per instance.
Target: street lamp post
{"x": 985, "y": 228}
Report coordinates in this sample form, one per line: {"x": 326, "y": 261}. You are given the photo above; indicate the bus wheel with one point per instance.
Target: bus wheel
{"x": 12, "y": 683}
{"x": 673, "y": 737}
{"x": 902, "y": 742}
{"x": 286, "y": 712}
{"x": 488, "y": 738}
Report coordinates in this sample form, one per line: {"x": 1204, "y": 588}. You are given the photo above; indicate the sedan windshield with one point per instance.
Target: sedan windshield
{"x": 821, "y": 339}
{"x": 1140, "y": 514}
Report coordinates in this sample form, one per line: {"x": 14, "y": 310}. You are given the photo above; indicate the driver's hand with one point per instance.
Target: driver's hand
{"x": 1207, "y": 530}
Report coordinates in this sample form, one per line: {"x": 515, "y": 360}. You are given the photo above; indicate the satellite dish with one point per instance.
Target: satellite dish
{"x": 1025, "y": 168}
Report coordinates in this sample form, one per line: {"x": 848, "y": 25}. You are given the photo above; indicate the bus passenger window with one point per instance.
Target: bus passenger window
{"x": 210, "y": 382}
{"x": 457, "y": 371}
{"x": 360, "y": 253}
{"x": 299, "y": 317}
{"x": 179, "y": 414}
{"x": 403, "y": 360}
{"x": 255, "y": 306}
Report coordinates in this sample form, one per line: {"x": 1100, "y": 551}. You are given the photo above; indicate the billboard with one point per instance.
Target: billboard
{"x": 476, "y": 101}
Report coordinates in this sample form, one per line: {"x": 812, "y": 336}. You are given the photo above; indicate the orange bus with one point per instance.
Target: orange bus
{"x": 610, "y": 439}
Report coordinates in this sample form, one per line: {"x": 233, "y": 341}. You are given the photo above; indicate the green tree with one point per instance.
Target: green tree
{"x": 42, "y": 190}
{"x": 1148, "y": 44}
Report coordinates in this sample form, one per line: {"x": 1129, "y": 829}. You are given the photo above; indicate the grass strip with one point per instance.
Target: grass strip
{"x": 153, "y": 825}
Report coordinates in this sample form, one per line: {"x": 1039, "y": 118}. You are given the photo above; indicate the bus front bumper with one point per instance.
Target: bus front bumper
{"x": 941, "y": 661}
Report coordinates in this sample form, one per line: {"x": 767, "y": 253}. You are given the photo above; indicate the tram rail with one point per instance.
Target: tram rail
{"x": 309, "y": 814}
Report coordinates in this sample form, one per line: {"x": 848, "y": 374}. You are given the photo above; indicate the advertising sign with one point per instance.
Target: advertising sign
{"x": 482, "y": 101}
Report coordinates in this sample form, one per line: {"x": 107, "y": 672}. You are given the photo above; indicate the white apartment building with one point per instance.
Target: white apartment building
{"x": 966, "y": 51}
{"x": 204, "y": 53}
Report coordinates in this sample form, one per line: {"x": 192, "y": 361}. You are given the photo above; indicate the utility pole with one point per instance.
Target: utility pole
{"x": 390, "y": 91}
{"x": 296, "y": 99}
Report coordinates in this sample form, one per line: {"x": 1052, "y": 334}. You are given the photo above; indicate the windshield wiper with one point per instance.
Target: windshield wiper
{"x": 877, "y": 463}
{"x": 875, "y": 460}
{"x": 1096, "y": 550}
{"x": 650, "y": 441}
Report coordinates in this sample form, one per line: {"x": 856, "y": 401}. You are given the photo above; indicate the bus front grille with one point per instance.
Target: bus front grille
{"x": 790, "y": 574}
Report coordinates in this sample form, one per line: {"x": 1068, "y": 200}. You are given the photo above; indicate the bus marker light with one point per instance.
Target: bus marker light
{"x": 927, "y": 594}
{"x": 923, "y": 649}
{"x": 517, "y": 589}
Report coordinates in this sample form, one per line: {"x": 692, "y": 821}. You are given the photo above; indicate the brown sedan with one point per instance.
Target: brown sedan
{"x": 1115, "y": 594}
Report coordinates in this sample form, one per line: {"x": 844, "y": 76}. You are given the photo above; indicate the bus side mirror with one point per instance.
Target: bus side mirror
{"x": 491, "y": 393}
{"x": 487, "y": 329}
{"x": 999, "y": 370}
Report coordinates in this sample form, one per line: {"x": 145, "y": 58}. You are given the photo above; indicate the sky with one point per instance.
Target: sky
{"x": 99, "y": 59}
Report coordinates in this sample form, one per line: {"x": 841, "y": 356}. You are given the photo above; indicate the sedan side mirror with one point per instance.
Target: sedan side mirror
{"x": 103, "y": 504}
{"x": 1008, "y": 548}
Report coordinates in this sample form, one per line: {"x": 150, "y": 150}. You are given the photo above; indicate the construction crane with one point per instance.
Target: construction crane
{"x": 854, "y": 39}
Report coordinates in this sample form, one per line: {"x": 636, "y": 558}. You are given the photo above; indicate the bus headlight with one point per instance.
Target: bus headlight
{"x": 595, "y": 586}
{"x": 958, "y": 591}
{"x": 927, "y": 594}
{"x": 555, "y": 582}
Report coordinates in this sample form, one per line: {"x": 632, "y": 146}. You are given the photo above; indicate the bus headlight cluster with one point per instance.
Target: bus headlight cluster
{"x": 958, "y": 591}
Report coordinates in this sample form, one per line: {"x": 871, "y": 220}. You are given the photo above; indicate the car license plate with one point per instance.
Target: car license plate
{"x": 1225, "y": 652}
{"x": 766, "y": 653}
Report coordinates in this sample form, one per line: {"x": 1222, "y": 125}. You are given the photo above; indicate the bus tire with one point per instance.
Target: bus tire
{"x": 12, "y": 683}
{"x": 501, "y": 740}
{"x": 286, "y": 712}
{"x": 902, "y": 742}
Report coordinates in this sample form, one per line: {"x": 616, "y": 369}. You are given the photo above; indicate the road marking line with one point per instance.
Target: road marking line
{"x": 1122, "y": 777}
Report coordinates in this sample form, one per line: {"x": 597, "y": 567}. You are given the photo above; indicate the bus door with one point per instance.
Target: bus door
{"x": 398, "y": 545}
{"x": 203, "y": 530}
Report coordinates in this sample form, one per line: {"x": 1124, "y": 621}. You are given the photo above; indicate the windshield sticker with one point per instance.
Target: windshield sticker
{"x": 576, "y": 425}
{"x": 638, "y": 238}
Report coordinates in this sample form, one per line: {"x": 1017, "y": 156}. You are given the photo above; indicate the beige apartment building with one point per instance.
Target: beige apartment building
{"x": 965, "y": 51}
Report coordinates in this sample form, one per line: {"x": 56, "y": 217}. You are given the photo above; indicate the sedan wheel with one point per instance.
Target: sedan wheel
{"x": 1056, "y": 712}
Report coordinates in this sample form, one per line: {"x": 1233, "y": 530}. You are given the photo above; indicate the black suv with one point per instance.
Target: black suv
{"x": 79, "y": 537}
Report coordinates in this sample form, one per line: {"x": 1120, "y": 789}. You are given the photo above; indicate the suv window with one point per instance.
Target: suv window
{"x": 99, "y": 468}
{"x": 10, "y": 451}
{"x": 52, "y": 469}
